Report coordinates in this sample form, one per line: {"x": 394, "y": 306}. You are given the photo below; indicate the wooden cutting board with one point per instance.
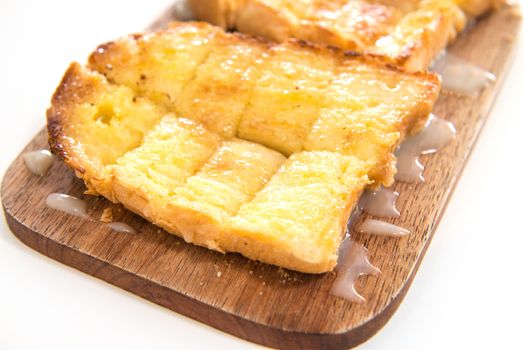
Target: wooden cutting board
{"x": 252, "y": 300}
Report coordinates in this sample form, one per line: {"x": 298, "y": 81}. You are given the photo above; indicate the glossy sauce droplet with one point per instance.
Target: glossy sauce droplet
{"x": 461, "y": 76}
{"x": 436, "y": 135}
{"x": 67, "y": 204}
{"x": 380, "y": 202}
{"x": 121, "y": 227}
{"x": 77, "y": 207}
{"x": 39, "y": 161}
{"x": 378, "y": 227}
{"x": 352, "y": 263}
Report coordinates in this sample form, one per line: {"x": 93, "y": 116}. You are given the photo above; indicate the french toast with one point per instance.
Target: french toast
{"x": 233, "y": 143}
{"x": 408, "y": 33}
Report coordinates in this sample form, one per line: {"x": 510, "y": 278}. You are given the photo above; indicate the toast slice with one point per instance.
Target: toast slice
{"x": 257, "y": 148}
{"x": 273, "y": 94}
{"x": 408, "y": 33}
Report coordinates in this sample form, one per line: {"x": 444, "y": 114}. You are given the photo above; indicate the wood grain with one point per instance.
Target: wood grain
{"x": 251, "y": 300}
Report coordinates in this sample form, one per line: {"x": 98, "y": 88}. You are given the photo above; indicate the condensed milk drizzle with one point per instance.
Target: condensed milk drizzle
{"x": 67, "y": 204}
{"x": 355, "y": 215}
{"x": 461, "y": 76}
{"x": 77, "y": 207}
{"x": 380, "y": 202}
{"x": 436, "y": 135}
{"x": 378, "y": 227}
{"x": 39, "y": 161}
{"x": 120, "y": 227}
{"x": 352, "y": 263}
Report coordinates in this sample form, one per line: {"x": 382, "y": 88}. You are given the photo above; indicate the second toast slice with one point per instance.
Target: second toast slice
{"x": 407, "y": 33}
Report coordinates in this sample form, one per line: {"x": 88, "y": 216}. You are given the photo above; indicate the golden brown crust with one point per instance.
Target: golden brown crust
{"x": 367, "y": 58}
{"x": 216, "y": 12}
{"x": 98, "y": 59}
{"x": 408, "y": 33}
{"x": 475, "y": 8}
{"x": 73, "y": 88}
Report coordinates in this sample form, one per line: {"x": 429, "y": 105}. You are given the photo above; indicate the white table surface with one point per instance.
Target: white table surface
{"x": 468, "y": 293}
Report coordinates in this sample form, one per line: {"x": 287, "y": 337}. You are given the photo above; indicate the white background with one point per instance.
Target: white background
{"x": 468, "y": 292}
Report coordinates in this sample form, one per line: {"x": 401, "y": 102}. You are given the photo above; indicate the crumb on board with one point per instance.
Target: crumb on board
{"x": 282, "y": 272}
{"x": 218, "y": 273}
{"x": 107, "y": 215}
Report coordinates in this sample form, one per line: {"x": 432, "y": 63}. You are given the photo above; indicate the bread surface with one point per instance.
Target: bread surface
{"x": 234, "y": 143}
{"x": 408, "y": 33}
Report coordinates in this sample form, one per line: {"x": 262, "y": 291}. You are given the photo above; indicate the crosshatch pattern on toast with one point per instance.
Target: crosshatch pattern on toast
{"x": 237, "y": 144}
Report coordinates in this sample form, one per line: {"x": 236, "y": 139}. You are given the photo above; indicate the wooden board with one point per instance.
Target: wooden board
{"x": 251, "y": 300}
